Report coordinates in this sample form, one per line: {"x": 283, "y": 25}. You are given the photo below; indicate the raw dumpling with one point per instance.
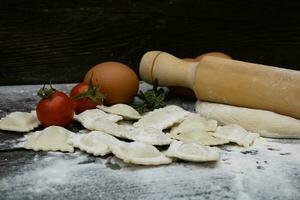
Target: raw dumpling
{"x": 84, "y": 131}
{"x": 19, "y": 122}
{"x": 266, "y": 123}
{"x": 199, "y": 137}
{"x": 148, "y": 135}
{"x": 140, "y": 153}
{"x": 124, "y": 110}
{"x": 237, "y": 134}
{"x": 90, "y": 115}
{"x": 53, "y": 138}
{"x": 96, "y": 142}
{"x": 162, "y": 118}
{"x": 195, "y": 129}
{"x": 125, "y": 123}
{"x": 192, "y": 152}
{"x": 96, "y": 119}
{"x": 195, "y": 123}
{"x": 104, "y": 125}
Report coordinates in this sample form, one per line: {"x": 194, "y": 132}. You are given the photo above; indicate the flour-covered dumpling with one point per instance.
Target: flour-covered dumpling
{"x": 19, "y": 122}
{"x": 94, "y": 119}
{"x": 96, "y": 142}
{"x": 126, "y": 123}
{"x": 195, "y": 123}
{"x": 53, "y": 138}
{"x": 192, "y": 152}
{"x": 84, "y": 131}
{"x": 140, "y": 153}
{"x": 126, "y": 111}
{"x": 126, "y": 131}
{"x": 148, "y": 135}
{"x": 199, "y": 137}
{"x": 196, "y": 129}
{"x": 162, "y": 118}
{"x": 104, "y": 125}
{"x": 90, "y": 115}
{"x": 236, "y": 134}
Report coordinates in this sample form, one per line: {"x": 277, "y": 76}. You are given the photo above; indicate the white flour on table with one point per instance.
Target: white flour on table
{"x": 261, "y": 171}
{"x": 270, "y": 169}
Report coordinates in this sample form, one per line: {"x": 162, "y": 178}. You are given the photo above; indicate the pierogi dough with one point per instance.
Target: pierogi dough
{"x": 266, "y": 123}
{"x": 126, "y": 111}
{"x": 163, "y": 118}
{"x": 19, "y": 122}
{"x": 52, "y": 138}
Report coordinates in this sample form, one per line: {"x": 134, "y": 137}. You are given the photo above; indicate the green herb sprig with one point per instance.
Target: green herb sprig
{"x": 151, "y": 99}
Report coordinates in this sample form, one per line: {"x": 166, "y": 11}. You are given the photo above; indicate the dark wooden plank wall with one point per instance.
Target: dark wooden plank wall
{"x": 61, "y": 39}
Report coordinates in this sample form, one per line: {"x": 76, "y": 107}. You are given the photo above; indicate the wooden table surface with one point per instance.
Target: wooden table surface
{"x": 270, "y": 169}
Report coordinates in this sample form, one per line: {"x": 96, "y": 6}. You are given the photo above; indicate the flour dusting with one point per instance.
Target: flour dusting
{"x": 266, "y": 170}
{"x": 269, "y": 169}
{"x": 45, "y": 172}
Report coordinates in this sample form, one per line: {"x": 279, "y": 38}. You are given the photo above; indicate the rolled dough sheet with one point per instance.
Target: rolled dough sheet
{"x": 266, "y": 123}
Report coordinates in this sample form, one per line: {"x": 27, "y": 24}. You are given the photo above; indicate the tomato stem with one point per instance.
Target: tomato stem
{"x": 93, "y": 93}
{"x": 45, "y": 92}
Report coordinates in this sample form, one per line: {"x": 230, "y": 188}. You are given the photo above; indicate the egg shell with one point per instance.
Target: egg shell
{"x": 117, "y": 80}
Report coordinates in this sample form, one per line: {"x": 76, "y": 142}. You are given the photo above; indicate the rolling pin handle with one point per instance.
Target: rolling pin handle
{"x": 167, "y": 69}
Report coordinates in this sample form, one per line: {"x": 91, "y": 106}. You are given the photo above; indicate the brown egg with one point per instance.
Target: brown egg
{"x": 216, "y": 54}
{"x": 117, "y": 80}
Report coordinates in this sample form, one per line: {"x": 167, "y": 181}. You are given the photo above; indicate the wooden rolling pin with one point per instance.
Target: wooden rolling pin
{"x": 227, "y": 81}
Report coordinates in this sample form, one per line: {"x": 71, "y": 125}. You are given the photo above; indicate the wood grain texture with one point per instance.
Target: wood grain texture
{"x": 61, "y": 40}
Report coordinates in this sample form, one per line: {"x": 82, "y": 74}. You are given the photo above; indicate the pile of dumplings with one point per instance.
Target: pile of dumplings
{"x": 133, "y": 138}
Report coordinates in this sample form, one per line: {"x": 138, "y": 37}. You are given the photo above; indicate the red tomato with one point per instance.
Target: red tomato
{"x": 85, "y": 96}
{"x": 55, "y": 109}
